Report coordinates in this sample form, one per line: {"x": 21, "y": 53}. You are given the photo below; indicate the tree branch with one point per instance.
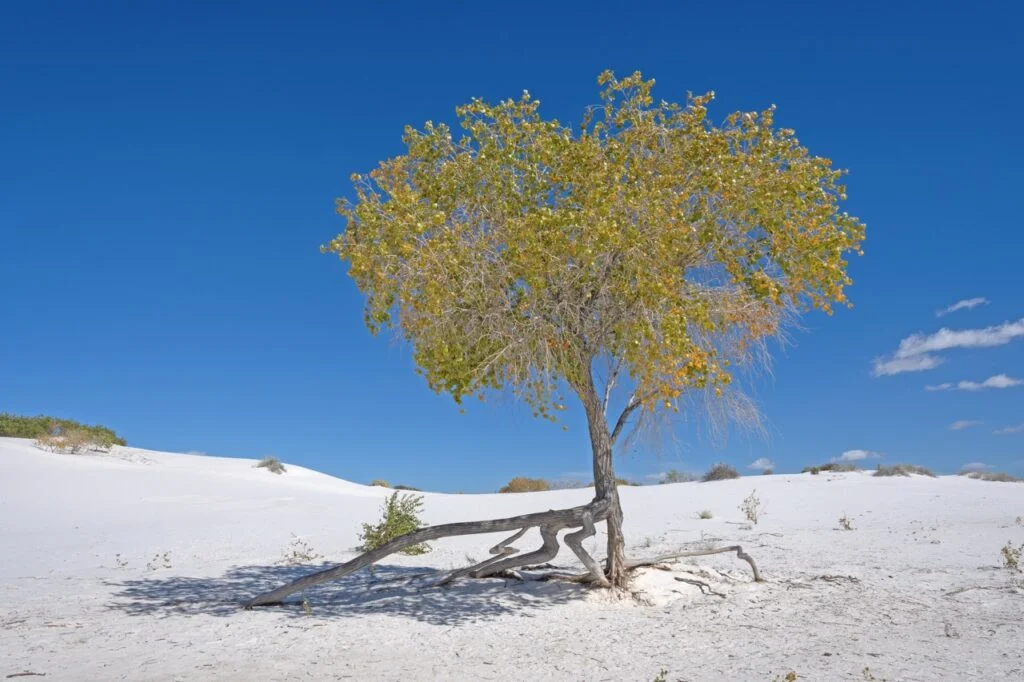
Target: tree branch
{"x": 624, "y": 417}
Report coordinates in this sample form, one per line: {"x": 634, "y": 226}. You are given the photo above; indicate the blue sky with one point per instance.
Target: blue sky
{"x": 168, "y": 172}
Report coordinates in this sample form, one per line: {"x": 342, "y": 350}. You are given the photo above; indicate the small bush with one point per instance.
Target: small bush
{"x": 704, "y": 514}
{"x": 298, "y": 552}
{"x": 997, "y": 476}
{"x": 522, "y": 484}
{"x": 751, "y": 507}
{"x": 73, "y": 441}
{"x": 720, "y": 472}
{"x": 623, "y": 481}
{"x": 271, "y": 464}
{"x": 673, "y": 476}
{"x": 845, "y": 522}
{"x": 1011, "y": 556}
{"x": 399, "y": 515}
{"x": 902, "y": 470}
{"x": 17, "y": 426}
{"x": 380, "y": 483}
{"x": 767, "y": 472}
{"x": 831, "y": 466}
{"x": 406, "y": 487}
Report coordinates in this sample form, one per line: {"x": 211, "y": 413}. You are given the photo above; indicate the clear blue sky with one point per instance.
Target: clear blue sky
{"x": 168, "y": 172}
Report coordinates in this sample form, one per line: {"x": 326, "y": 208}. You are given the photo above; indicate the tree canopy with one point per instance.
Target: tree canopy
{"x": 521, "y": 252}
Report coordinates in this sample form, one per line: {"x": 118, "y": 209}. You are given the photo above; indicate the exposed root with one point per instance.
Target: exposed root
{"x": 549, "y": 522}
{"x": 704, "y": 552}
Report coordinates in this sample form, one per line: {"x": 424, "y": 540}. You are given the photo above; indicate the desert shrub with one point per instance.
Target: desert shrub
{"x": 73, "y": 441}
{"x": 380, "y": 483}
{"x": 406, "y": 487}
{"x": 845, "y": 522}
{"x": 902, "y": 470}
{"x": 623, "y": 481}
{"x": 751, "y": 507}
{"x": 271, "y": 464}
{"x": 522, "y": 484}
{"x": 997, "y": 476}
{"x": 298, "y": 552}
{"x": 704, "y": 514}
{"x": 17, "y": 426}
{"x": 720, "y": 472}
{"x": 1011, "y": 556}
{"x": 831, "y": 466}
{"x": 673, "y": 476}
{"x": 399, "y": 515}
{"x": 767, "y": 472}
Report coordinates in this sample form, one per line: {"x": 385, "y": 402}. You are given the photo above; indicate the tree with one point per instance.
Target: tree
{"x": 646, "y": 247}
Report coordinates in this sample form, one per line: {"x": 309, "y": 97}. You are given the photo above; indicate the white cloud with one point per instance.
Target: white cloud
{"x": 975, "y": 466}
{"x": 997, "y": 381}
{"x": 1019, "y": 428}
{"x": 961, "y": 424}
{"x": 965, "y": 304}
{"x": 915, "y": 353}
{"x": 761, "y": 464}
{"x": 891, "y": 366}
{"x": 856, "y": 456}
{"x": 939, "y": 387}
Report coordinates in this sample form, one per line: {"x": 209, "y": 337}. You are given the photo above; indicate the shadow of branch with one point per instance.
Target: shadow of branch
{"x": 395, "y": 590}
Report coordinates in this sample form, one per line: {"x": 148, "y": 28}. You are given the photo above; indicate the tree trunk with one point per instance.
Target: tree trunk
{"x": 604, "y": 481}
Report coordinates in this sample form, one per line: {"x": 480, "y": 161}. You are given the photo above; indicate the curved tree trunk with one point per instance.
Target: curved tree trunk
{"x": 604, "y": 481}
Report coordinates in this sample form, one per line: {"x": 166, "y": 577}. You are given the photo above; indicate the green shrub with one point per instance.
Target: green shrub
{"x": 271, "y": 464}
{"x": 997, "y": 476}
{"x": 399, "y": 515}
{"x": 704, "y": 514}
{"x": 767, "y": 472}
{"x": 380, "y": 483}
{"x": 522, "y": 484}
{"x": 40, "y": 427}
{"x": 406, "y": 487}
{"x": 902, "y": 470}
{"x": 623, "y": 481}
{"x": 831, "y": 466}
{"x": 720, "y": 472}
{"x": 673, "y": 476}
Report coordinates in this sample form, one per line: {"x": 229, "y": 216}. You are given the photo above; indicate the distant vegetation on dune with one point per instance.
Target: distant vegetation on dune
{"x": 56, "y": 431}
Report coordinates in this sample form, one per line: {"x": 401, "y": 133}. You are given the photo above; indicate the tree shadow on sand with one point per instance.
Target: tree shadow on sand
{"x": 393, "y": 590}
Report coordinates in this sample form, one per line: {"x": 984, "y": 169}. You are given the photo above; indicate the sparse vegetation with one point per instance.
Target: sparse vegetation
{"x": 623, "y": 481}
{"x": 1011, "y": 556}
{"x": 406, "y": 487}
{"x": 704, "y": 514}
{"x": 17, "y": 426}
{"x": 159, "y": 561}
{"x": 902, "y": 470}
{"x": 522, "y": 484}
{"x": 997, "y": 476}
{"x": 831, "y": 466}
{"x": 788, "y": 677}
{"x": 271, "y": 464}
{"x": 380, "y": 483}
{"x": 767, "y": 472}
{"x": 845, "y": 522}
{"x": 673, "y": 476}
{"x": 298, "y": 552}
{"x": 751, "y": 507}
{"x": 662, "y": 676}
{"x": 720, "y": 472}
{"x": 399, "y": 515}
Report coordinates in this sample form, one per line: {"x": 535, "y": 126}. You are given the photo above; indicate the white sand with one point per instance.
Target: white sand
{"x": 77, "y": 601}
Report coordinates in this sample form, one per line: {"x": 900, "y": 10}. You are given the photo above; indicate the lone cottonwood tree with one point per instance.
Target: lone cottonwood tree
{"x": 527, "y": 255}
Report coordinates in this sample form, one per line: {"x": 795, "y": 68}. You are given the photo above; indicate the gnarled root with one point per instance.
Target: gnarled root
{"x": 704, "y": 552}
{"x": 549, "y": 522}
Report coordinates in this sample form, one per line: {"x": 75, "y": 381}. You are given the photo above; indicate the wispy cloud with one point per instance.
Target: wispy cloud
{"x": 1005, "y": 431}
{"x": 891, "y": 366}
{"x": 997, "y": 381}
{"x": 975, "y": 466}
{"x": 916, "y": 352}
{"x": 965, "y": 304}
{"x": 961, "y": 424}
{"x": 761, "y": 464}
{"x": 856, "y": 456}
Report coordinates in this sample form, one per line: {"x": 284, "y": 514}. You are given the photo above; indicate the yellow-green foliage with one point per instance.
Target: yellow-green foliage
{"x": 43, "y": 427}
{"x": 380, "y": 483}
{"x": 521, "y": 484}
{"x": 516, "y": 254}
{"x": 720, "y": 472}
{"x": 399, "y": 515}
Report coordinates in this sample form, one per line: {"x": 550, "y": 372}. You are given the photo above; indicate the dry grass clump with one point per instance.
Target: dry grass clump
{"x": 997, "y": 476}
{"x": 271, "y": 464}
{"x": 720, "y": 472}
{"x": 831, "y": 466}
{"x": 522, "y": 484}
{"x": 902, "y": 470}
{"x": 380, "y": 483}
